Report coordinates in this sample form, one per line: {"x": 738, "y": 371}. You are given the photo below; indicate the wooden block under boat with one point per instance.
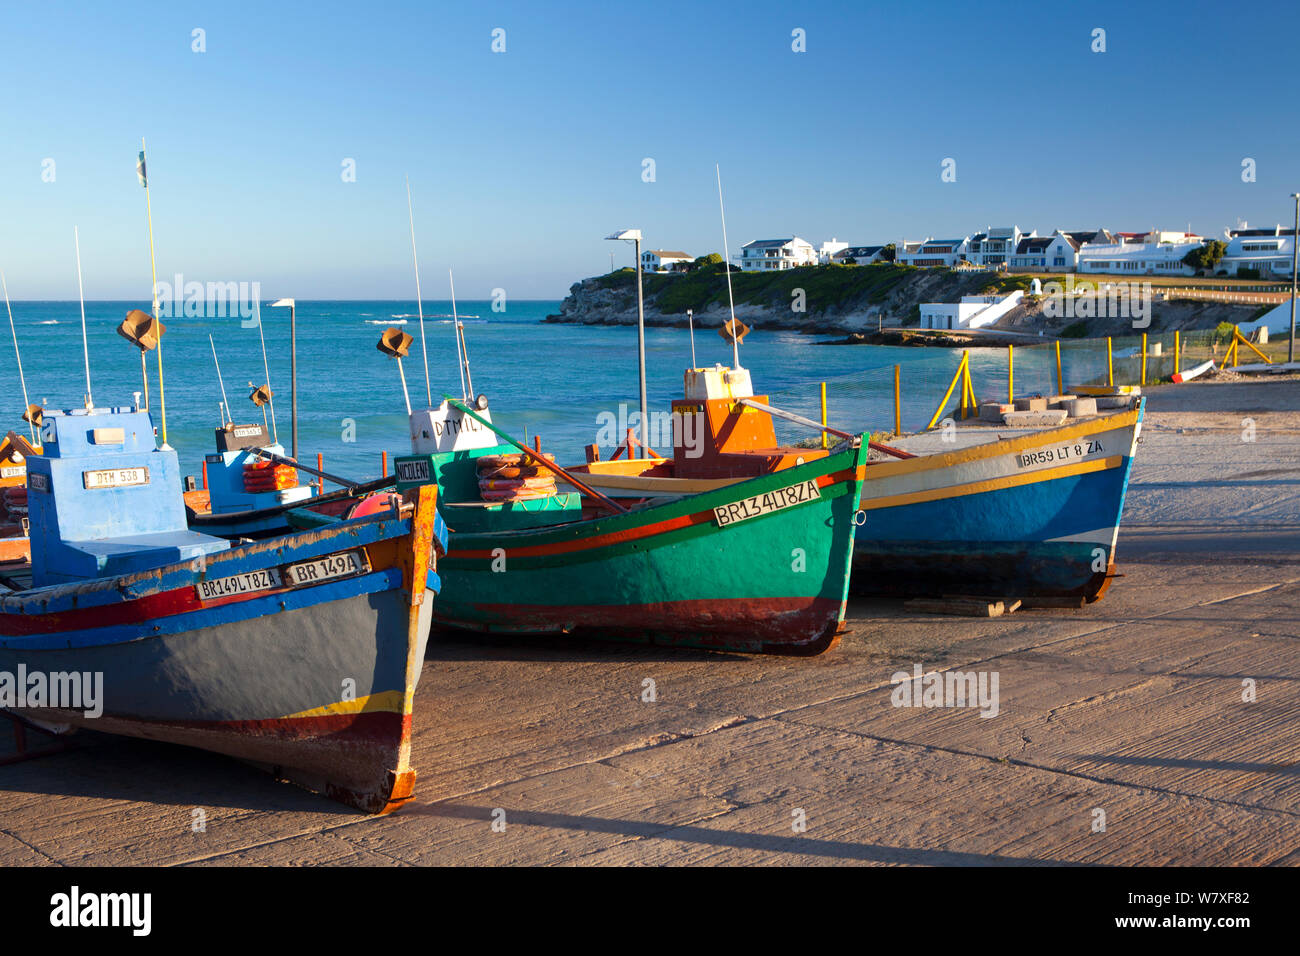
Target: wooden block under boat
{"x": 959, "y": 606}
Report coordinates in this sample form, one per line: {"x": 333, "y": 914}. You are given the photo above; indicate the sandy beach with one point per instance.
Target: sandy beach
{"x": 1159, "y": 726}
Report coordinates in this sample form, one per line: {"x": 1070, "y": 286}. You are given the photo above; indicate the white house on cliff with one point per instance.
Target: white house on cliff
{"x": 764, "y": 254}
{"x": 664, "y": 260}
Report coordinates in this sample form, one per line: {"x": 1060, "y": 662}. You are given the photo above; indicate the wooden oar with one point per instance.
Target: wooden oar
{"x": 544, "y": 462}
{"x": 800, "y": 420}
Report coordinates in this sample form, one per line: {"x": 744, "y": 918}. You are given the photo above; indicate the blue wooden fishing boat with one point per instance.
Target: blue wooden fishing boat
{"x": 1034, "y": 516}
{"x": 299, "y": 653}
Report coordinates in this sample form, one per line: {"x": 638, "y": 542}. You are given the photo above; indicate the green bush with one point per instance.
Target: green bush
{"x": 1223, "y": 332}
{"x": 1075, "y": 330}
{"x": 624, "y": 276}
{"x": 1206, "y": 256}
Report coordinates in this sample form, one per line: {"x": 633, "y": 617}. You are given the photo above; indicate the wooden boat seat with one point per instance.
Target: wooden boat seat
{"x": 137, "y": 552}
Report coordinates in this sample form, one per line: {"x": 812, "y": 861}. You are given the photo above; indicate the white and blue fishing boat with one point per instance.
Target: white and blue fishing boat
{"x": 1032, "y": 516}
{"x": 299, "y": 653}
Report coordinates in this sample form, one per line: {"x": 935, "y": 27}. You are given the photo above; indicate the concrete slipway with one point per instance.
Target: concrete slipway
{"x": 1133, "y": 707}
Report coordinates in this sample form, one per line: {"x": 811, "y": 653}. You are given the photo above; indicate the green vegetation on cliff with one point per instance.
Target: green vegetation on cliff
{"x": 825, "y": 288}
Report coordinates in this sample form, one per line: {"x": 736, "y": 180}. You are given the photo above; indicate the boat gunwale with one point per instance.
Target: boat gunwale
{"x": 846, "y": 464}
{"x": 1005, "y": 446}
{"x": 254, "y": 555}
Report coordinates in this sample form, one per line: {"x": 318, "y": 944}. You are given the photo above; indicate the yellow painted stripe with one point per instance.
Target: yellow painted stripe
{"x": 993, "y": 484}
{"x": 886, "y": 469}
{"x": 390, "y": 700}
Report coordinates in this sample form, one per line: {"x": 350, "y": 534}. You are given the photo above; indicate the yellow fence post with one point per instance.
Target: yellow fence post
{"x": 1144, "y": 358}
{"x": 948, "y": 394}
{"x": 970, "y": 390}
{"x": 1249, "y": 344}
{"x": 1011, "y": 375}
{"x": 965, "y": 362}
{"x": 898, "y": 403}
{"x": 824, "y": 442}
{"x": 1178, "y": 352}
{"x": 1060, "y": 389}
{"x": 1110, "y": 364}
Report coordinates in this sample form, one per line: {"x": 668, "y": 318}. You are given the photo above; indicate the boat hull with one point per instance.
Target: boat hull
{"x": 671, "y": 573}
{"x": 314, "y": 683}
{"x": 1033, "y": 516}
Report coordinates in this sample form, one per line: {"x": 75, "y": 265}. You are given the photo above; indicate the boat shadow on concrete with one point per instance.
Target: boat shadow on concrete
{"x": 795, "y": 844}
{"x": 107, "y": 767}
{"x": 447, "y": 644}
{"x": 1187, "y": 763}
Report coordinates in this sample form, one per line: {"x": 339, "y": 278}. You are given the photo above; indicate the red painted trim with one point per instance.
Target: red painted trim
{"x": 139, "y": 611}
{"x": 152, "y": 607}
{"x": 377, "y": 727}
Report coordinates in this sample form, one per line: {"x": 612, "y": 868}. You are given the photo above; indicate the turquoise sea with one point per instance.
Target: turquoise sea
{"x": 548, "y": 379}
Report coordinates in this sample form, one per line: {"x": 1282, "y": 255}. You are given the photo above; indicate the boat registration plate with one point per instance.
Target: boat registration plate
{"x": 12, "y": 471}
{"x": 115, "y": 477}
{"x": 238, "y": 584}
{"x": 777, "y": 499}
{"x": 1056, "y": 454}
{"x": 342, "y": 565}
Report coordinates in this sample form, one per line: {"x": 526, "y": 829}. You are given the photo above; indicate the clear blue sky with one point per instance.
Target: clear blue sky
{"x": 520, "y": 162}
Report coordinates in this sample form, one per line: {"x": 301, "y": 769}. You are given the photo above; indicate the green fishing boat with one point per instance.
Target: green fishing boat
{"x": 760, "y": 565}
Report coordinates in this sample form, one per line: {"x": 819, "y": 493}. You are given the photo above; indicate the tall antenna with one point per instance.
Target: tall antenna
{"x": 17, "y": 355}
{"x": 224, "y": 402}
{"x": 462, "y": 350}
{"x": 85, "y": 348}
{"x": 266, "y": 370}
{"x": 726, "y": 264}
{"x": 419, "y": 301}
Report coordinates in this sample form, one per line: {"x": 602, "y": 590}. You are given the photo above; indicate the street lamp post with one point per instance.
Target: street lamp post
{"x": 1295, "y": 238}
{"x": 634, "y": 236}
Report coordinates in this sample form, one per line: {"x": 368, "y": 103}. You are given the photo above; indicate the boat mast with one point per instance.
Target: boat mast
{"x": 690, "y": 322}
{"x": 225, "y": 403}
{"x": 266, "y": 370}
{"x": 726, "y": 262}
{"x": 17, "y": 354}
{"x": 455, "y": 327}
{"x": 142, "y": 172}
{"x": 419, "y": 301}
{"x": 85, "y": 348}
{"x": 461, "y": 348}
